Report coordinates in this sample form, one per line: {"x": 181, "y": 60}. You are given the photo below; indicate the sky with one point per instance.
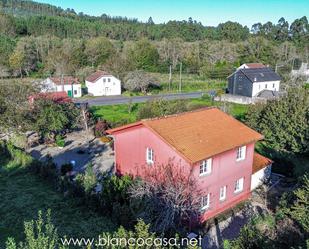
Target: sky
{"x": 209, "y": 12}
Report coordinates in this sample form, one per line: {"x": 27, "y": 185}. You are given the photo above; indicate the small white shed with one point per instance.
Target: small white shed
{"x": 261, "y": 170}
{"x": 67, "y": 84}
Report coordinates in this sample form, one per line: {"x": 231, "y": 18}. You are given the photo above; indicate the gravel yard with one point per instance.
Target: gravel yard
{"x": 81, "y": 147}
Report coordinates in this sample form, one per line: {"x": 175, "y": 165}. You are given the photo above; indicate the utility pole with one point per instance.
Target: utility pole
{"x": 277, "y": 66}
{"x": 170, "y": 79}
{"x": 180, "y": 77}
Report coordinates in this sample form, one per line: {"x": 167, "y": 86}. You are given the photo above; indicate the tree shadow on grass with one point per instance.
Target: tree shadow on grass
{"x": 23, "y": 193}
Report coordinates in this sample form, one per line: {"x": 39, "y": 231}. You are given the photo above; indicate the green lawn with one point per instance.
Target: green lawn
{"x": 116, "y": 114}
{"x": 22, "y": 194}
{"x": 190, "y": 82}
{"x": 120, "y": 114}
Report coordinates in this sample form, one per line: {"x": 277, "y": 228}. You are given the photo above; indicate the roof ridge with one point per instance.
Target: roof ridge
{"x": 179, "y": 114}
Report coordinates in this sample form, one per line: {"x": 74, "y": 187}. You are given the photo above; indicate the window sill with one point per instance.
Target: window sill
{"x": 222, "y": 200}
{"x": 205, "y": 174}
{"x": 238, "y": 191}
{"x": 240, "y": 159}
{"x": 205, "y": 208}
{"x": 150, "y": 163}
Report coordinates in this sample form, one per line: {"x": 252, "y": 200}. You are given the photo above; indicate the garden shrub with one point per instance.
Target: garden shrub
{"x": 65, "y": 168}
{"x": 39, "y": 234}
{"x": 47, "y": 170}
{"x": 114, "y": 198}
{"x": 160, "y": 108}
{"x": 60, "y": 142}
{"x": 20, "y": 158}
{"x": 87, "y": 180}
{"x": 101, "y": 127}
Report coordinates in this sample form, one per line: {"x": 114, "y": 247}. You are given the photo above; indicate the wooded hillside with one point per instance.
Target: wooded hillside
{"x": 41, "y": 39}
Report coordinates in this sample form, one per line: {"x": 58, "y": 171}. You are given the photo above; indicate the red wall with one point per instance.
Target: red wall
{"x": 130, "y": 150}
{"x": 130, "y": 156}
{"x": 225, "y": 171}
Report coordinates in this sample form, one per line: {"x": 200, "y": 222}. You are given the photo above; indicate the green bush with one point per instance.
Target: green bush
{"x": 65, "y": 168}
{"x": 47, "y": 170}
{"x": 39, "y": 234}
{"x": 159, "y": 108}
{"x": 283, "y": 122}
{"x": 60, "y": 142}
{"x": 114, "y": 198}
{"x": 87, "y": 180}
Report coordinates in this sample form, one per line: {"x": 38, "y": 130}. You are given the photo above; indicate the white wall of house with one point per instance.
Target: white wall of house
{"x": 104, "y": 86}
{"x": 242, "y": 66}
{"x": 49, "y": 86}
{"x": 267, "y": 85}
{"x": 260, "y": 176}
{"x": 75, "y": 89}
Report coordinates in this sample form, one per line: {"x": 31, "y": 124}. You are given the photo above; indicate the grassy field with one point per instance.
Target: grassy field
{"x": 22, "y": 194}
{"x": 190, "y": 83}
{"x": 122, "y": 114}
{"x": 117, "y": 113}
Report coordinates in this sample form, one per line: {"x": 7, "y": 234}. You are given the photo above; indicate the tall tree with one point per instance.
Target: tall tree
{"x": 144, "y": 55}
{"x": 99, "y": 50}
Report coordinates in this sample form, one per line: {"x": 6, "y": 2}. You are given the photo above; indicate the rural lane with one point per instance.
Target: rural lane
{"x": 116, "y": 100}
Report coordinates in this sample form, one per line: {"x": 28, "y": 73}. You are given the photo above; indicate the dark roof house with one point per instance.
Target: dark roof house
{"x": 251, "y": 82}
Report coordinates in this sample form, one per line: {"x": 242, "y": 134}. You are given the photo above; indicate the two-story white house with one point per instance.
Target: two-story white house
{"x": 102, "y": 83}
{"x": 67, "y": 84}
{"x": 254, "y": 80}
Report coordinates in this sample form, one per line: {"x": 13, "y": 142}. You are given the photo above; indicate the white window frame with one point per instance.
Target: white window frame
{"x": 241, "y": 153}
{"x": 206, "y": 167}
{"x": 149, "y": 155}
{"x": 239, "y": 185}
{"x": 222, "y": 193}
{"x": 207, "y": 204}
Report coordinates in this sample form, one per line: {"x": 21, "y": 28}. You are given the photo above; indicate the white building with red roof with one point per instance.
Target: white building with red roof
{"x": 67, "y": 84}
{"x": 102, "y": 83}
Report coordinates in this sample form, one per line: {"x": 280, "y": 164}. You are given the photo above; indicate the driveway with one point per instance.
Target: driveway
{"x": 116, "y": 100}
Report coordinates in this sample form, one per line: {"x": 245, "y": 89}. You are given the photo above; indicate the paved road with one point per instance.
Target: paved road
{"x": 115, "y": 100}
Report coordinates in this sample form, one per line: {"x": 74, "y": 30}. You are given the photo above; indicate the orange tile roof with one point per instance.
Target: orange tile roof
{"x": 66, "y": 80}
{"x": 260, "y": 162}
{"x": 255, "y": 65}
{"x": 199, "y": 134}
{"x": 97, "y": 75}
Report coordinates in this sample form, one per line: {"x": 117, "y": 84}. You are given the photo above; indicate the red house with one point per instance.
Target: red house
{"x": 216, "y": 148}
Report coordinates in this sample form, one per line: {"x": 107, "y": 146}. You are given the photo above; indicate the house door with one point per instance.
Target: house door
{"x": 70, "y": 93}
{"x": 106, "y": 90}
